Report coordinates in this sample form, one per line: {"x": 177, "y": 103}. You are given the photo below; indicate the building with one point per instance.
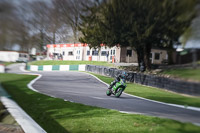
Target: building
{"x": 116, "y": 54}
{"x": 81, "y": 51}
{"x": 2, "y": 68}
{"x": 13, "y": 56}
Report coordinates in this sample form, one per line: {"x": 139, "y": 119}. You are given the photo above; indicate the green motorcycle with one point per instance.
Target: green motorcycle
{"x": 117, "y": 89}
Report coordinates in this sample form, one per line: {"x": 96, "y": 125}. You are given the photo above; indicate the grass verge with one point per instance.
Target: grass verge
{"x": 156, "y": 93}
{"x": 193, "y": 74}
{"x": 59, "y": 116}
{"x": 5, "y": 117}
{"x": 7, "y": 63}
{"x": 55, "y": 62}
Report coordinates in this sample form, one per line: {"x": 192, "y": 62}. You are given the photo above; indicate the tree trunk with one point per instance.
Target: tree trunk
{"x": 147, "y": 52}
{"x": 41, "y": 40}
{"x": 54, "y": 37}
{"x": 75, "y": 34}
{"x": 140, "y": 56}
{"x": 170, "y": 52}
{"x": 170, "y": 56}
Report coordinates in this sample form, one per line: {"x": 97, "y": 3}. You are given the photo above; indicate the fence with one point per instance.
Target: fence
{"x": 175, "y": 85}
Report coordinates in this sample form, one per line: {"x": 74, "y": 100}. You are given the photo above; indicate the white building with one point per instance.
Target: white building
{"x": 13, "y": 56}
{"x": 80, "y": 51}
{"x": 2, "y": 68}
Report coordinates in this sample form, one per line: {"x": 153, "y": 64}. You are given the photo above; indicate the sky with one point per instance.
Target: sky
{"x": 194, "y": 41}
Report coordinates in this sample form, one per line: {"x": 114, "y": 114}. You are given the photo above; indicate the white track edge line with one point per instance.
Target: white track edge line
{"x": 30, "y": 87}
{"x": 175, "y": 105}
{"x": 33, "y": 81}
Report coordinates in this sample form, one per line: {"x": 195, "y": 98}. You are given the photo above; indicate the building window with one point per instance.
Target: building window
{"x": 63, "y": 52}
{"x": 78, "y": 51}
{"x": 129, "y": 53}
{"x": 150, "y": 56}
{"x": 70, "y": 53}
{"x": 103, "y": 53}
{"x": 113, "y": 52}
{"x": 94, "y": 52}
{"x": 88, "y": 52}
{"x": 157, "y": 56}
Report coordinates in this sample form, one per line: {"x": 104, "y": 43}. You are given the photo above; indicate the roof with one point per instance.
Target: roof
{"x": 66, "y": 45}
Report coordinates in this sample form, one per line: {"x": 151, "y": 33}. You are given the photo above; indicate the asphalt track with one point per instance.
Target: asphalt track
{"x": 83, "y": 88}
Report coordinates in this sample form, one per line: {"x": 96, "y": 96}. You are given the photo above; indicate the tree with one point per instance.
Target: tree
{"x": 69, "y": 11}
{"x": 39, "y": 21}
{"x": 54, "y": 23}
{"x": 141, "y": 24}
{"x": 90, "y": 28}
{"x": 7, "y": 24}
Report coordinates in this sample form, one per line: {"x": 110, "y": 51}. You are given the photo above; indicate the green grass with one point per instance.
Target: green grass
{"x": 193, "y": 74}
{"x": 59, "y": 116}
{"x": 156, "y": 93}
{"x": 5, "y": 117}
{"x": 54, "y": 62}
{"x": 7, "y": 63}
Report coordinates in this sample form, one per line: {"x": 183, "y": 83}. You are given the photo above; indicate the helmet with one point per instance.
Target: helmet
{"x": 124, "y": 74}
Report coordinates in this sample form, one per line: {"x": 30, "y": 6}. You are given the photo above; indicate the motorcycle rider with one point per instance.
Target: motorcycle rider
{"x": 117, "y": 79}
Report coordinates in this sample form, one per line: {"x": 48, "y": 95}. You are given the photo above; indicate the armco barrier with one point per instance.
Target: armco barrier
{"x": 56, "y": 68}
{"x": 175, "y": 85}
{"x": 2, "y": 68}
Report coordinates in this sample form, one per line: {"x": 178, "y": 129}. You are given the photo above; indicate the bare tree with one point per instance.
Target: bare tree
{"x": 7, "y": 24}
{"x": 36, "y": 23}
{"x": 55, "y": 25}
{"x": 40, "y": 21}
{"x": 70, "y": 11}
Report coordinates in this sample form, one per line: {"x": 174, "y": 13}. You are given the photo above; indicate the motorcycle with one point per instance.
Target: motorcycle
{"x": 117, "y": 89}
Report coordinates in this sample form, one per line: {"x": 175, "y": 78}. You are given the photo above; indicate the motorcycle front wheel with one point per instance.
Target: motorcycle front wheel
{"x": 118, "y": 92}
{"x": 108, "y": 92}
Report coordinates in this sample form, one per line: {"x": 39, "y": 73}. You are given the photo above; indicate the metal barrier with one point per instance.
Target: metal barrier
{"x": 180, "y": 86}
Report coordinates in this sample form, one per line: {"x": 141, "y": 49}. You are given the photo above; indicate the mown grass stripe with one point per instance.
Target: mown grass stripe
{"x": 56, "y": 62}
